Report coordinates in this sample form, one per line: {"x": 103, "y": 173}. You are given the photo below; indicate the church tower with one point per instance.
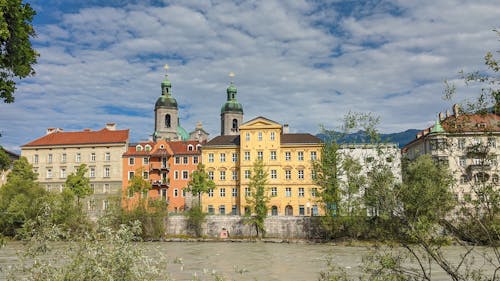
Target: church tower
{"x": 166, "y": 113}
{"x": 231, "y": 113}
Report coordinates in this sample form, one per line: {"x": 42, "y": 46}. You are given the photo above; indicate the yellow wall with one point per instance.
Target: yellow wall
{"x": 255, "y": 138}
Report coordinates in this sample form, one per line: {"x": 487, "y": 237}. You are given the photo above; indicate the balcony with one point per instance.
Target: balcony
{"x": 159, "y": 167}
{"x": 164, "y": 183}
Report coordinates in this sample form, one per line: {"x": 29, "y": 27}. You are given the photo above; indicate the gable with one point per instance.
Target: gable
{"x": 260, "y": 123}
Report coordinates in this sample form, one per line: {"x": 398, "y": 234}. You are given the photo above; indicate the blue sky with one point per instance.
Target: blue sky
{"x": 304, "y": 63}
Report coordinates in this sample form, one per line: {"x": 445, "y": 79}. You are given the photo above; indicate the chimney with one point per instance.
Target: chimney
{"x": 86, "y": 130}
{"x": 441, "y": 116}
{"x": 285, "y": 129}
{"x": 456, "y": 110}
{"x": 111, "y": 126}
{"x": 50, "y": 131}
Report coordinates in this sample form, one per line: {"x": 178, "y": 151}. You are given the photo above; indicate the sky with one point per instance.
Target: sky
{"x": 302, "y": 63}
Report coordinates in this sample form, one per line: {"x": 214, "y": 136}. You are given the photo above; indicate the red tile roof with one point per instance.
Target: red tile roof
{"x": 84, "y": 137}
{"x": 472, "y": 123}
{"x": 132, "y": 151}
{"x": 181, "y": 147}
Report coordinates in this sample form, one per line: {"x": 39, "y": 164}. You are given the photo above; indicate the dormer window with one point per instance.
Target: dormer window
{"x": 162, "y": 146}
{"x": 190, "y": 147}
{"x": 147, "y": 147}
{"x": 198, "y": 146}
{"x": 481, "y": 125}
{"x": 138, "y": 148}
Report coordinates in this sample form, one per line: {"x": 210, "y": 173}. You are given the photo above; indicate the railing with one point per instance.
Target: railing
{"x": 159, "y": 166}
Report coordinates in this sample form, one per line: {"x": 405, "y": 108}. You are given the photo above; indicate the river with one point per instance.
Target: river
{"x": 245, "y": 261}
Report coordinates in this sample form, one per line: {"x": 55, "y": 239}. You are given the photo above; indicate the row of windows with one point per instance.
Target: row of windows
{"x": 63, "y": 172}
{"x": 461, "y": 142}
{"x": 274, "y": 211}
{"x": 260, "y": 136}
{"x": 177, "y": 160}
{"x": 96, "y": 188}
{"x": 273, "y": 174}
{"x": 78, "y": 157}
{"x": 260, "y": 156}
{"x": 185, "y": 160}
{"x": 274, "y": 192}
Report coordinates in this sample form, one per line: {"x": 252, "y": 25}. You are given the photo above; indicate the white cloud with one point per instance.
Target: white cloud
{"x": 297, "y": 62}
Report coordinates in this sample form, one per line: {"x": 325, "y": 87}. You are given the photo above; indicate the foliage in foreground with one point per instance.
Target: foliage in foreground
{"x": 195, "y": 218}
{"x": 258, "y": 199}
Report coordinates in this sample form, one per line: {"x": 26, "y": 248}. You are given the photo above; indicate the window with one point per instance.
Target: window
{"x": 63, "y": 158}
{"x": 183, "y": 194}
{"x": 210, "y": 157}
{"x": 288, "y": 192}
{"x": 247, "y": 174}
{"x": 176, "y": 175}
{"x": 92, "y": 156}
{"x": 131, "y": 161}
{"x": 164, "y": 194}
{"x": 92, "y": 172}
{"x": 222, "y": 209}
{"x": 92, "y": 187}
{"x": 301, "y": 192}
{"x": 300, "y": 174}
{"x": 145, "y": 175}
{"x": 105, "y": 204}
{"x": 211, "y": 175}
{"x": 107, "y": 156}
{"x": 235, "y": 175}
{"x": 223, "y": 157}
{"x": 78, "y": 158}
{"x": 274, "y": 191}
{"x": 313, "y": 175}
{"x": 138, "y": 147}
{"x": 247, "y": 191}
{"x": 177, "y": 160}
{"x": 273, "y": 155}
{"x": 105, "y": 188}
{"x": 130, "y": 175}
{"x": 247, "y": 136}
{"x": 235, "y": 157}
{"x": 492, "y": 142}
{"x": 49, "y": 173}
{"x": 222, "y": 175}
{"x": 176, "y": 192}
{"x": 147, "y": 147}
{"x": 145, "y": 160}
{"x": 185, "y": 175}
{"x": 462, "y": 161}
{"x": 210, "y": 209}
{"x": 195, "y": 159}
{"x": 300, "y": 155}
{"x": 234, "y": 128}
{"x": 274, "y": 174}
{"x": 260, "y": 155}
{"x": 234, "y": 192}
{"x": 49, "y": 158}
{"x": 190, "y": 147}
{"x": 185, "y": 160}
{"x": 273, "y": 135}
{"x": 35, "y": 158}
{"x": 211, "y": 192}
{"x": 314, "y": 191}
{"x": 301, "y": 210}
{"x": 259, "y": 136}
{"x": 247, "y": 155}
{"x": 288, "y": 156}
{"x": 107, "y": 172}
{"x": 167, "y": 121}
{"x": 222, "y": 192}
{"x": 274, "y": 211}
{"x": 313, "y": 155}
{"x": 288, "y": 174}
{"x": 315, "y": 211}
{"x": 234, "y": 210}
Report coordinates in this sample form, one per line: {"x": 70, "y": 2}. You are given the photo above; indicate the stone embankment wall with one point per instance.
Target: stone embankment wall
{"x": 276, "y": 227}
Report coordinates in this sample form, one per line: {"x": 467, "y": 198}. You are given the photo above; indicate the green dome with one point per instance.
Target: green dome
{"x": 232, "y": 106}
{"x": 231, "y": 89}
{"x": 182, "y": 133}
{"x": 166, "y": 101}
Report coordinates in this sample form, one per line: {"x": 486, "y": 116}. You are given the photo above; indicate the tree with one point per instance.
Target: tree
{"x": 4, "y": 160}
{"x": 17, "y": 56}
{"x": 200, "y": 182}
{"x": 258, "y": 198}
{"x": 138, "y": 184}
{"x": 79, "y": 183}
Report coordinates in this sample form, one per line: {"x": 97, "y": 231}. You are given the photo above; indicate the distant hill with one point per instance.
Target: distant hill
{"x": 400, "y": 138}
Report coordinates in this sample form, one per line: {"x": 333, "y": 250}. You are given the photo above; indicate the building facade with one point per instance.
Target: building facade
{"x": 58, "y": 154}
{"x": 466, "y": 143}
{"x": 287, "y": 158}
{"x": 167, "y": 166}
{"x": 3, "y": 174}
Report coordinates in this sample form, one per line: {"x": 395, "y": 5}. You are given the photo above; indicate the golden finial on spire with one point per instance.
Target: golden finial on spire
{"x": 231, "y": 75}
{"x": 165, "y": 67}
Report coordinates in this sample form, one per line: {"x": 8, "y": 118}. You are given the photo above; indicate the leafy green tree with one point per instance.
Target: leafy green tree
{"x": 20, "y": 197}
{"x": 258, "y": 199}
{"x": 4, "y": 160}
{"x": 195, "y": 218}
{"x": 200, "y": 182}
{"x": 79, "y": 183}
{"x": 138, "y": 184}
{"x": 17, "y": 56}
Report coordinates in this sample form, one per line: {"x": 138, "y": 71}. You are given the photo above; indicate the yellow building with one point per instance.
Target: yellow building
{"x": 229, "y": 160}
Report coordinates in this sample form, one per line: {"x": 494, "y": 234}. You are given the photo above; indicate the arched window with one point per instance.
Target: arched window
{"x": 167, "y": 121}
{"x": 235, "y": 125}
{"x": 274, "y": 211}
{"x": 288, "y": 210}
{"x": 190, "y": 147}
{"x": 138, "y": 148}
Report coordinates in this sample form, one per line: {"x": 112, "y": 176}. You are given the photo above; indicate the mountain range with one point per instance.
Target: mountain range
{"x": 401, "y": 138}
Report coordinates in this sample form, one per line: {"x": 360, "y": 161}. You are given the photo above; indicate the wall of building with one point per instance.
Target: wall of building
{"x": 276, "y": 227}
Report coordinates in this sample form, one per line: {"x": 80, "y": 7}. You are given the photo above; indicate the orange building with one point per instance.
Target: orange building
{"x": 167, "y": 165}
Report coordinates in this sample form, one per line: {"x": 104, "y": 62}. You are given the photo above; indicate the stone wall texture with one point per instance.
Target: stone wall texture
{"x": 282, "y": 227}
